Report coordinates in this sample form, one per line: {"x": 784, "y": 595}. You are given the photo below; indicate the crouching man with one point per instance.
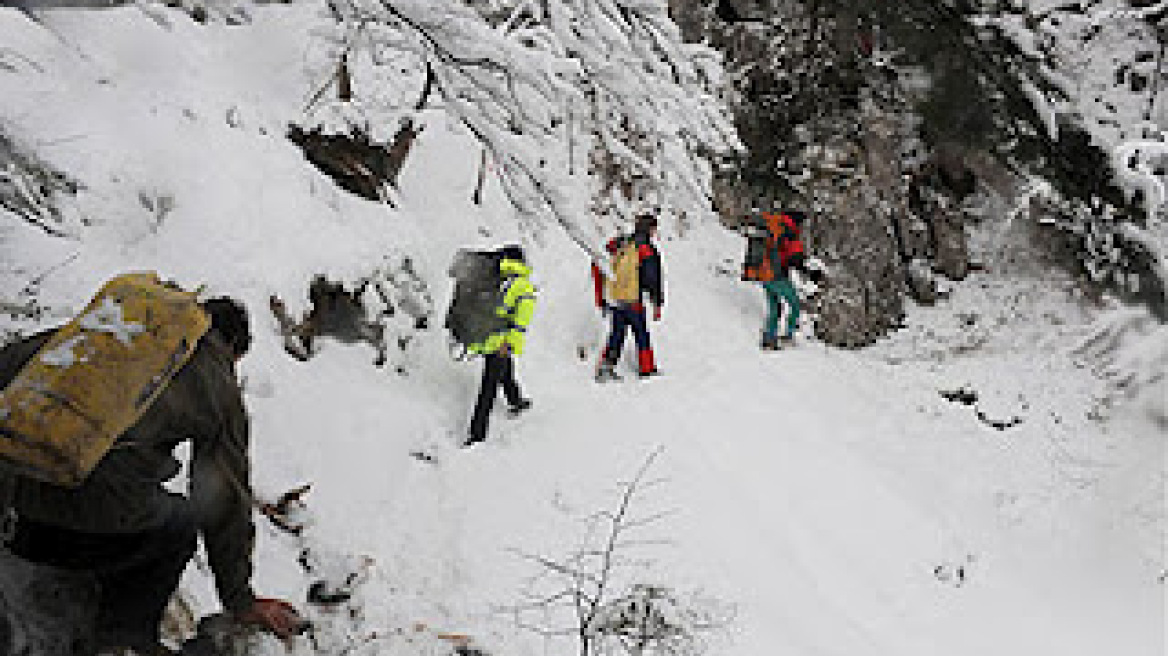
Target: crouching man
{"x": 133, "y": 535}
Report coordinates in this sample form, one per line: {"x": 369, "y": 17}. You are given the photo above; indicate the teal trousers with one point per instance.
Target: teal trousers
{"x": 777, "y": 290}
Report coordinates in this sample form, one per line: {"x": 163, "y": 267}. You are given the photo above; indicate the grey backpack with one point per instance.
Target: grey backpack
{"x": 478, "y": 290}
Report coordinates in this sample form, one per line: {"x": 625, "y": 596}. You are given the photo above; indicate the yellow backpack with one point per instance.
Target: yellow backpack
{"x": 95, "y": 377}
{"x": 625, "y": 284}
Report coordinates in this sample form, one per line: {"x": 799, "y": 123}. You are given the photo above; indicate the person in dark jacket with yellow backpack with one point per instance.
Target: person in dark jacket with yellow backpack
{"x": 636, "y": 273}
{"x": 121, "y": 525}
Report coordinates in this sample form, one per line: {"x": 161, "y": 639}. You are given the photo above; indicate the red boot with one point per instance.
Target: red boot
{"x": 645, "y": 360}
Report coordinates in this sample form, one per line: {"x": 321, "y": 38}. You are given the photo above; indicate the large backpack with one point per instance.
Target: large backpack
{"x": 624, "y": 286}
{"x": 478, "y": 293}
{"x": 96, "y": 376}
{"x": 762, "y": 246}
{"x": 760, "y": 242}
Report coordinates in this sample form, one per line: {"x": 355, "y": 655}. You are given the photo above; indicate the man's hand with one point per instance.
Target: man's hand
{"x": 504, "y": 350}
{"x": 274, "y": 615}
{"x": 656, "y": 313}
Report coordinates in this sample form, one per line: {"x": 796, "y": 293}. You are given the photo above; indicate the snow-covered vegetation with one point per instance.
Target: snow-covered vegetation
{"x": 988, "y": 479}
{"x": 1105, "y": 64}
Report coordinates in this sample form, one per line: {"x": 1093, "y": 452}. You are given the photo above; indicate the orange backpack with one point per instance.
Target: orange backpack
{"x": 765, "y": 243}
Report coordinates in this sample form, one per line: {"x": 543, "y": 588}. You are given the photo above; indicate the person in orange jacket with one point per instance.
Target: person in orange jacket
{"x": 637, "y": 272}
{"x": 784, "y": 252}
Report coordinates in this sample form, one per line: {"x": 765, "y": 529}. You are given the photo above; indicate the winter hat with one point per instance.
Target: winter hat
{"x": 513, "y": 252}
{"x": 229, "y": 319}
{"x": 644, "y": 223}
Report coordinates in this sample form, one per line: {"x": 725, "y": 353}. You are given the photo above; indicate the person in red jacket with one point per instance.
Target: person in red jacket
{"x": 636, "y": 273}
{"x": 784, "y": 252}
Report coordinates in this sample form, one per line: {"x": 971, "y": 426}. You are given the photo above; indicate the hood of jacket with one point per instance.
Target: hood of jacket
{"x": 514, "y": 268}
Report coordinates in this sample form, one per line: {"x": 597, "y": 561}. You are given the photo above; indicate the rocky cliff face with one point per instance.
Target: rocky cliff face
{"x": 888, "y": 130}
{"x": 843, "y": 152}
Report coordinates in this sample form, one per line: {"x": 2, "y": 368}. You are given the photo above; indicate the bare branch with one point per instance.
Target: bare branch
{"x": 431, "y": 79}
{"x": 644, "y": 618}
{"x": 628, "y": 544}
{"x": 544, "y": 602}
{"x": 549, "y": 564}
{"x": 650, "y": 519}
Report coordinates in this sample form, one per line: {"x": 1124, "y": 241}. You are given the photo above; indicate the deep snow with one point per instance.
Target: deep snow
{"x": 830, "y": 496}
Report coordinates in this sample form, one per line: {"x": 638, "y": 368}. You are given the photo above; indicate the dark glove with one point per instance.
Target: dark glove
{"x": 817, "y": 276}
{"x": 605, "y": 308}
{"x": 274, "y": 615}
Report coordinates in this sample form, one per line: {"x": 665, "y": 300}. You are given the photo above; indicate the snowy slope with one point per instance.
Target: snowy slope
{"x": 835, "y": 499}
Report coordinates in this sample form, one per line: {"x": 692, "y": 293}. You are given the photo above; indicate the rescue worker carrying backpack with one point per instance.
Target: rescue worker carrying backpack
{"x": 517, "y": 307}
{"x": 636, "y": 272}
{"x": 106, "y": 511}
{"x": 781, "y": 247}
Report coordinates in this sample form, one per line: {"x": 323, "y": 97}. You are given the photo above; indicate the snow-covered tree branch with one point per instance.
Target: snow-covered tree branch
{"x": 562, "y": 91}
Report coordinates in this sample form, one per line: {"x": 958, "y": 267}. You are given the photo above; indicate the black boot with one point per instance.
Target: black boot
{"x": 518, "y": 408}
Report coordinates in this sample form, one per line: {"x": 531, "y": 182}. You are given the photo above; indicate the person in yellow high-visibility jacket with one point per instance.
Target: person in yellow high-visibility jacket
{"x": 517, "y": 307}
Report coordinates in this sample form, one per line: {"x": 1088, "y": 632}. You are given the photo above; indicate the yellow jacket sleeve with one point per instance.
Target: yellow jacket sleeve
{"x": 521, "y": 299}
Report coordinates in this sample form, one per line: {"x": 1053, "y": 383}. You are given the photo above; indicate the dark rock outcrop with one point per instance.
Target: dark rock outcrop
{"x": 30, "y": 188}
{"x": 357, "y": 163}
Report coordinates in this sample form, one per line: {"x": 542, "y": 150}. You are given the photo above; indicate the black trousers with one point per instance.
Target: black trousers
{"x": 498, "y": 370}
{"x": 136, "y": 572}
{"x": 624, "y": 318}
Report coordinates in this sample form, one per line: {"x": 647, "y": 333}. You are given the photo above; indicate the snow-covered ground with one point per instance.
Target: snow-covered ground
{"x": 835, "y": 501}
